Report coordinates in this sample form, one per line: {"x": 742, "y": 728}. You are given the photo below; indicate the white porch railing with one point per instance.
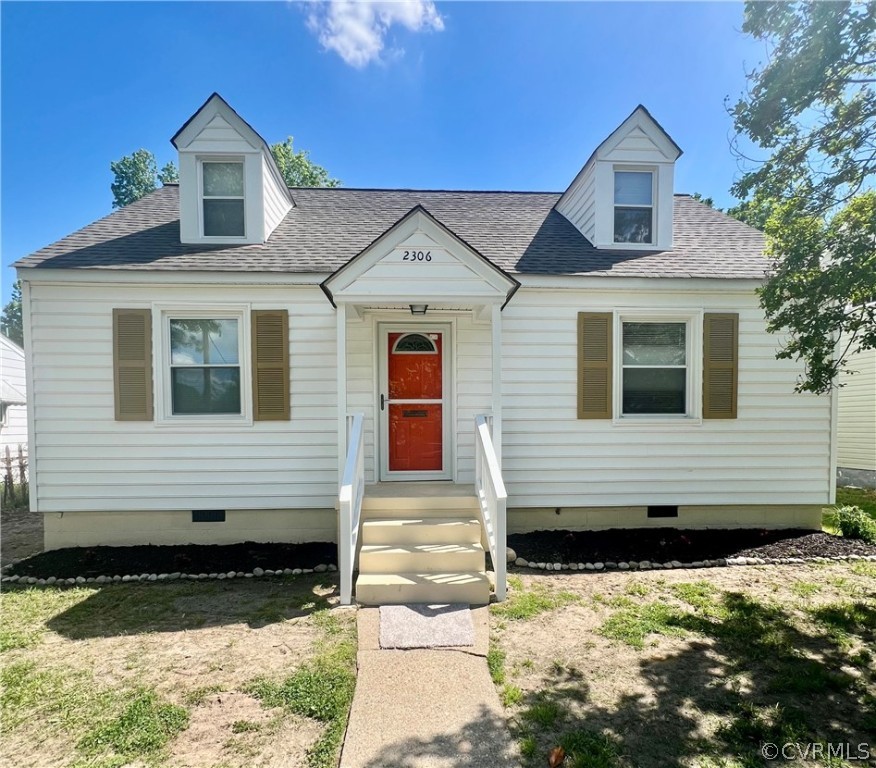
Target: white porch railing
{"x": 350, "y": 497}
{"x": 493, "y": 500}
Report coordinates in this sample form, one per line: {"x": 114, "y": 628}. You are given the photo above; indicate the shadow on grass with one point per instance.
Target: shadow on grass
{"x": 752, "y": 668}
{"x": 172, "y": 607}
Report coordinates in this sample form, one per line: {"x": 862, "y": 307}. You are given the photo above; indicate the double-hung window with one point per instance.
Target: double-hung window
{"x": 205, "y": 367}
{"x": 634, "y": 207}
{"x": 223, "y": 200}
{"x": 655, "y": 376}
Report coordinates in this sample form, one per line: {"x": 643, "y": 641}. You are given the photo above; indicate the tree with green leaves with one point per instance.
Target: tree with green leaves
{"x": 811, "y": 109}
{"x": 298, "y": 169}
{"x": 10, "y": 320}
{"x": 135, "y": 176}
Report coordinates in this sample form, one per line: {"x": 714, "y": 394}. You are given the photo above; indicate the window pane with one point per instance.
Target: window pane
{"x": 655, "y": 390}
{"x": 223, "y": 179}
{"x": 632, "y": 188}
{"x": 194, "y": 342}
{"x": 632, "y": 225}
{"x": 223, "y": 218}
{"x": 205, "y": 390}
{"x": 654, "y": 344}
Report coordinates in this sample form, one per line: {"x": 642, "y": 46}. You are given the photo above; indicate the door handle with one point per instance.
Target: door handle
{"x": 382, "y": 402}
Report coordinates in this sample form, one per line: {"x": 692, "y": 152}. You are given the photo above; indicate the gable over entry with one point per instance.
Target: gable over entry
{"x": 419, "y": 261}
{"x": 421, "y": 265}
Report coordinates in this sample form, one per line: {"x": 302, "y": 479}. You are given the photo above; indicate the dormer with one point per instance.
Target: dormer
{"x": 622, "y": 197}
{"x": 230, "y": 189}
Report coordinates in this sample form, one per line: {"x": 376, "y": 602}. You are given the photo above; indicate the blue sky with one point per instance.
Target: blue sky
{"x": 452, "y": 95}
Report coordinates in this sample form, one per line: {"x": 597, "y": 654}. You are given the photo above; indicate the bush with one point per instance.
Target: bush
{"x": 854, "y": 523}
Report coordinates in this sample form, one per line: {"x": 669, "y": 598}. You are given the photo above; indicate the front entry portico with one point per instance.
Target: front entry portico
{"x": 419, "y": 360}
{"x": 419, "y": 336}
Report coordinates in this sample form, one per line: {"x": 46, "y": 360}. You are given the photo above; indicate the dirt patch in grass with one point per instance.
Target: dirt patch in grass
{"x": 691, "y": 668}
{"x": 189, "y": 558}
{"x": 662, "y": 545}
{"x": 170, "y": 663}
{"x": 22, "y": 532}
{"x": 232, "y": 728}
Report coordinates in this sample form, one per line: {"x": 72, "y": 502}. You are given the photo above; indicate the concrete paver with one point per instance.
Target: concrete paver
{"x": 426, "y": 708}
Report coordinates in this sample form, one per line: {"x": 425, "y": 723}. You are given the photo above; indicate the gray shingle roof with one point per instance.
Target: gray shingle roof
{"x": 520, "y": 232}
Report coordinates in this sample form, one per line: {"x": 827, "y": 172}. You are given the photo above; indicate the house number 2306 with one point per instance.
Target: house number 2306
{"x": 417, "y": 256}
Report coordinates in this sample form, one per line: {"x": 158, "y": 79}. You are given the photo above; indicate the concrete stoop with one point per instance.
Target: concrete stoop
{"x": 421, "y": 550}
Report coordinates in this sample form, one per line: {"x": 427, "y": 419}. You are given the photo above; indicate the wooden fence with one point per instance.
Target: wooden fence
{"x": 15, "y": 491}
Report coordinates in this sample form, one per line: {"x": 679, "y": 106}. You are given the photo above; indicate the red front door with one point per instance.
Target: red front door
{"x": 416, "y": 420}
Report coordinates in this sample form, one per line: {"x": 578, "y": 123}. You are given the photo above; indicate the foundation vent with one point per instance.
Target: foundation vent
{"x": 208, "y": 515}
{"x": 663, "y": 511}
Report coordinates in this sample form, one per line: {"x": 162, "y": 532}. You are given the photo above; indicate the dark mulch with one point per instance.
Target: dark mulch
{"x": 666, "y": 544}
{"x": 188, "y": 558}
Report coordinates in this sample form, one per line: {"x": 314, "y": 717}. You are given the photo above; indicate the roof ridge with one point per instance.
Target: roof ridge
{"x": 445, "y": 191}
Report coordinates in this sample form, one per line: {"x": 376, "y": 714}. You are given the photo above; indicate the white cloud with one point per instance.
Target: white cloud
{"x": 356, "y": 29}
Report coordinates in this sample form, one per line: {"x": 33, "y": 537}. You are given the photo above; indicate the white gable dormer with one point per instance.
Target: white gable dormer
{"x": 230, "y": 189}
{"x": 622, "y": 197}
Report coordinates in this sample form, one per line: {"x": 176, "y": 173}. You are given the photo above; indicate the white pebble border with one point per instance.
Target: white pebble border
{"x": 52, "y": 581}
{"x": 647, "y": 565}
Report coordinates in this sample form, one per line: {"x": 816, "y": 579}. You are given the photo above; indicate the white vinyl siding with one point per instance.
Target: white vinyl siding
{"x": 216, "y": 136}
{"x": 776, "y": 452}
{"x": 88, "y": 461}
{"x": 638, "y": 147}
{"x": 276, "y": 200}
{"x": 856, "y": 417}
{"x": 578, "y": 204}
{"x": 391, "y": 278}
{"x": 13, "y": 431}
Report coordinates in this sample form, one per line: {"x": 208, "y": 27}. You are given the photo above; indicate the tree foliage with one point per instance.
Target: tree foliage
{"x": 698, "y": 196}
{"x": 298, "y": 169}
{"x": 168, "y": 174}
{"x": 135, "y": 176}
{"x": 812, "y": 108}
{"x": 10, "y": 320}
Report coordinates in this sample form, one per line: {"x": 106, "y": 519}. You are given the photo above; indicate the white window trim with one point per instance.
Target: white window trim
{"x": 655, "y": 187}
{"x": 161, "y": 316}
{"x": 693, "y": 319}
{"x": 221, "y": 159}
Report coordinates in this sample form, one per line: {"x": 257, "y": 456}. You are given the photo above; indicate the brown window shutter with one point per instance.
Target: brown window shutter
{"x": 132, "y": 364}
{"x": 720, "y": 365}
{"x": 270, "y": 364}
{"x": 594, "y": 365}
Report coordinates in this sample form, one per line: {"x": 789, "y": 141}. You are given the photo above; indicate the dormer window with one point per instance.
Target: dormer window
{"x": 223, "y": 198}
{"x": 634, "y": 207}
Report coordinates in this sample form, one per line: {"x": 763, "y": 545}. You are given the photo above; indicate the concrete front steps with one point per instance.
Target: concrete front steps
{"x": 423, "y": 546}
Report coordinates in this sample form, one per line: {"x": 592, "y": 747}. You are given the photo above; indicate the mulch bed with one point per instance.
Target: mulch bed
{"x": 188, "y": 558}
{"x": 667, "y": 544}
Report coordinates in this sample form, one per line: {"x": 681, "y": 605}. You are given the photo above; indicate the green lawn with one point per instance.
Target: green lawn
{"x": 694, "y": 669}
{"x": 855, "y": 497}
{"x": 218, "y": 675}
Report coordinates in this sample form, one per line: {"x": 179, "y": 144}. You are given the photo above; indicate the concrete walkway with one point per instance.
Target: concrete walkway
{"x": 425, "y": 708}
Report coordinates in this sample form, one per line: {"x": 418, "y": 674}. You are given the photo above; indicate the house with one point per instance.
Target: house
{"x": 856, "y": 421}
{"x": 13, "y": 403}
{"x": 412, "y": 373}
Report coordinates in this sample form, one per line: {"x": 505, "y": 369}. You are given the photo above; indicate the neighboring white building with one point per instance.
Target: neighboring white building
{"x": 13, "y": 399}
{"x": 200, "y": 358}
{"x": 856, "y": 421}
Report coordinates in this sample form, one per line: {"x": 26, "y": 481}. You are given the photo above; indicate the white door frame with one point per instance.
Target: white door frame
{"x": 448, "y": 432}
